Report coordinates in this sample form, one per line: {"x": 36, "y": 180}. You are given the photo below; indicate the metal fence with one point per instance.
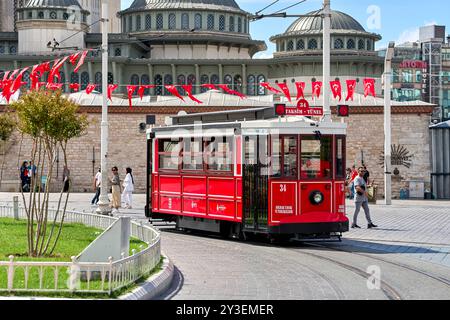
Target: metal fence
{"x": 71, "y": 277}
{"x": 440, "y": 148}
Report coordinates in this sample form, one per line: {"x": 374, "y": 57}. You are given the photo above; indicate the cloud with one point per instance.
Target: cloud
{"x": 263, "y": 55}
{"x": 412, "y": 34}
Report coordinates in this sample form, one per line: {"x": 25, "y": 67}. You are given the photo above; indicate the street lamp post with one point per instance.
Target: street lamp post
{"x": 326, "y": 60}
{"x": 387, "y": 124}
{"x": 103, "y": 204}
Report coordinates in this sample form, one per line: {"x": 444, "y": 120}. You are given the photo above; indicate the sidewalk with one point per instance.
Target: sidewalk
{"x": 416, "y": 228}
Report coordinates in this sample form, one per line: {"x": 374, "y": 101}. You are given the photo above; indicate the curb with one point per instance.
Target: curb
{"x": 155, "y": 285}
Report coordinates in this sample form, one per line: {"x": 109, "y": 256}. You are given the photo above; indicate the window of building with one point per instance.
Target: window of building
{"x": 239, "y": 25}
{"x": 74, "y": 78}
{"x": 138, "y": 23}
{"x": 191, "y": 79}
{"x": 211, "y": 22}
{"x": 110, "y": 78}
{"x": 30, "y": 14}
{"x": 65, "y": 16}
{"x": 84, "y": 80}
{"x": 218, "y": 154}
{"x": 290, "y": 45}
{"x": 338, "y": 44}
{"x": 2, "y": 50}
{"x": 351, "y": 44}
{"x": 159, "y": 21}
{"x": 198, "y": 21}
{"x": 300, "y": 44}
{"x": 193, "y": 154}
{"x": 135, "y": 80}
{"x": 222, "y": 23}
{"x": 228, "y": 79}
{"x": 98, "y": 81}
{"x": 237, "y": 83}
{"x": 53, "y": 15}
{"x": 204, "y": 79}
{"x": 158, "y": 83}
{"x": 169, "y": 154}
{"x": 26, "y": 78}
{"x": 215, "y": 79}
{"x": 261, "y": 89}
{"x": 361, "y": 44}
{"x": 282, "y": 46}
{"x": 168, "y": 80}
{"x": 40, "y": 15}
{"x": 407, "y": 76}
{"x": 148, "y": 22}
{"x": 245, "y": 25}
{"x": 118, "y": 52}
{"x": 316, "y": 155}
{"x": 232, "y": 27}
{"x": 172, "y": 21}
{"x": 312, "y": 44}
{"x": 185, "y": 21}
{"x": 130, "y": 23}
{"x": 419, "y": 76}
{"x": 251, "y": 85}
{"x": 13, "y": 50}
{"x": 124, "y": 22}
{"x": 369, "y": 45}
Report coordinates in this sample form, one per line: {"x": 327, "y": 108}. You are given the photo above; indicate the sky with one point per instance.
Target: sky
{"x": 394, "y": 20}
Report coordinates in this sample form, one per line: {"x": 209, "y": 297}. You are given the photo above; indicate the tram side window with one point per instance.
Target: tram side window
{"x": 284, "y": 157}
{"x": 340, "y": 157}
{"x": 169, "y": 154}
{"x": 218, "y": 153}
{"x": 276, "y": 157}
{"x": 316, "y": 157}
{"x": 193, "y": 154}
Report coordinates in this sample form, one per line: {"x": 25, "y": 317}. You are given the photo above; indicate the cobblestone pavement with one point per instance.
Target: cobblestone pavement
{"x": 411, "y": 250}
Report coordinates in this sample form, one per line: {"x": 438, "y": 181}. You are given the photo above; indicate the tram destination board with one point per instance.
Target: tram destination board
{"x": 302, "y": 109}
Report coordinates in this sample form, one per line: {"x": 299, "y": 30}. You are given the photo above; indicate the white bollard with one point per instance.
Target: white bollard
{"x": 16, "y": 207}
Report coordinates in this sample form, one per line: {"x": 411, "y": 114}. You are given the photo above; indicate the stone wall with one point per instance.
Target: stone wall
{"x": 128, "y": 148}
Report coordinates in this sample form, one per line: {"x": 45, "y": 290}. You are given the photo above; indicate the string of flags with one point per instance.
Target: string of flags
{"x": 13, "y": 81}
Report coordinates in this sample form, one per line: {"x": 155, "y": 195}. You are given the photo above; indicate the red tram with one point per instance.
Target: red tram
{"x": 249, "y": 171}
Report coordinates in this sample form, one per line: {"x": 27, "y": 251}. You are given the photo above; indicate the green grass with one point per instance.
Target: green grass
{"x": 74, "y": 239}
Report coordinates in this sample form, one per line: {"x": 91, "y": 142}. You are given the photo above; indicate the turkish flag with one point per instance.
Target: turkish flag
{"x": 316, "y": 88}
{"x": 55, "y": 70}
{"x": 111, "y": 89}
{"x": 369, "y": 87}
{"x": 18, "y": 81}
{"x": 142, "y": 89}
{"x": 351, "y": 88}
{"x": 75, "y": 87}
{"x": 174, "y": 91}
{"x": 336, "y": 89}
{"x": 225, "y": 88}
{"x": 209, "y": 86}
{"x": 283, "y": 86}
{"x": 267, "y": 86}
{"x": 188, "y": 89}
{"x": 131, "y": 89}
{"x": 73, "y": 58}
{"x": 90, "y": 88}
{"x": 300, "y": 90}
{"x": 54, "y": 86}
{"x": 81, "y": 61}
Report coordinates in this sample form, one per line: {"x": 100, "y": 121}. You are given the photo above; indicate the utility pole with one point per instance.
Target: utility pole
{"x": 103, "y": 204}
{"x": 326, "y": 60}
{"x": 387, "y": 124}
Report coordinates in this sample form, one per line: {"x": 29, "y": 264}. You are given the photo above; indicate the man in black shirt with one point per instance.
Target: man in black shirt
{"x": 366, "y": 175}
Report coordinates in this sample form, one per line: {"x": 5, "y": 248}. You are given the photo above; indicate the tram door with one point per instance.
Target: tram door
{"x": 256, "y": 183}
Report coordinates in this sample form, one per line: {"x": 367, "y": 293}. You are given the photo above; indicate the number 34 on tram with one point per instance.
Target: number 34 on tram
{"x": 249, "y": 172}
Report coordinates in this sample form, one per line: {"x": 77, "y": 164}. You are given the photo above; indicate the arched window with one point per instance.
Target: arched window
{"x": 351, "y": 44}
{"x": 159, "y": 21}
{"x": 135, "y": 80}
{"x": 185, "y": 21}
{"x": 145, "y": 80}
{"x": 369, "y": 45}
{"x": 98, "y": 81}
{"x": 13, "y": 49}
{"x": 110, "y": 78}
{"x": 338, "y": 44}
{"x": 290, "y": 45}
{"x": 228, "y": 80}
{"x": 130, "y": 23}
{"x": 181, "y": 80}
{"x": 251, "y": 85}
{"x": 282, "y": 46}
{"x": 40, "y": 15}
{"x": 168, "y": 80}
{"x": 84, "y": 80}
{"x": 191, "y": 79}
{"x": 204, "y": 79}
{"x": 211, "y": 22}
{"x": 138, "y": 23}
{"x": 2, "y": 50}
{"x": 261, "y": 90}
{"x": 245, "y": 25}
{"x": 65, "y": 16}
{"x": 148, "y": 22}
{"x": 198, "y": 21}
{"x": 118, "y": 52}
{"x": 215, "y": 79}
{"x": 26, "y": 78}
{"x": 239, "y": 25}
{"x": 124, "y": 22}
{"x": 53, "y": 15}
{"x": 361, "y": 44}
{"x": 74, "y": 78}
{"x": 300, "y": 44}
{"x": 232, "y": 24}
{"x": 222, "y": 23}
{"x": 312, "y": 44}
{"x": 158, "y": 82}
{"x": 172, "y": 21}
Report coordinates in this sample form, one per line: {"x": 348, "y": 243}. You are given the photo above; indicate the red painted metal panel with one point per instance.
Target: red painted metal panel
{"x": 155, "y": 202}
{"x": 221, "y": 208}
{"x": 170, "y": 184}
{"x": 283, "y": 201}
{"x": 194, "y": 185}
{"x": 194, "y": 206}
{"x": 339, "y": 196}
{"x": 305, "y": 192}
{"x": 239, "y": 210}
{"x": 170, "y": 203}
{"x": 223, "y": 187}
{"x": 239, "y": 188}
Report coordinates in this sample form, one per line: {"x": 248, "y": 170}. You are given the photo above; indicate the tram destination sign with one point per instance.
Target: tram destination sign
{"x": 302, "y": 109}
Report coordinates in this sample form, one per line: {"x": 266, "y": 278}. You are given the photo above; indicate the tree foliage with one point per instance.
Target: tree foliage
{"x": 7, "y": 125}
{"x": 51, "y": 121}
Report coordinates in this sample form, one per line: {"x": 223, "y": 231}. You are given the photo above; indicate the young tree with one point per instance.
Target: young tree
{"x": 7, "y": 125}
{"x": 51, "y": 120}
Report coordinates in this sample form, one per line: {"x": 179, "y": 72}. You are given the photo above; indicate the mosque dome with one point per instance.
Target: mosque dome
{"x": 216, "y": 5}
{"x": 51, "y": 4}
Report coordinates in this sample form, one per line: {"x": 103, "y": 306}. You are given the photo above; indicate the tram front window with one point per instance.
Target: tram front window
{"x": 316, "y": 157}
{"x": 284, "y": 157}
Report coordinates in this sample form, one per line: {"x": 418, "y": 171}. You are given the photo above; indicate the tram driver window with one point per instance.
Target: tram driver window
{"x": 218, "y": 152}
{"x": 169, "y": 154}
{"x": 316, "y": 158}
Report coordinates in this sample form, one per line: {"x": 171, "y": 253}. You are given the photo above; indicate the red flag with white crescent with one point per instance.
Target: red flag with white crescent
{"x": 336, "y": 89}
{"x": 300, "y": 90}
{"x": 130, "y": 90}
{"x": 369, "y": 87}
{"x": 225, "y": 88}
{"x": 316, "y": 88}
{"x": 55, "y": 70}
{"x": 18, "y": 81}
{"x": 283, "y": 86}
{"x": 54, "y": 86}
{"x": 74, "y": 57}
{"x": 351, "y": 88}
{"x": 75, "y": 87}
{"x": 209, "y": 86}
{"x": 267, "y": 86}
{"x": 81, "y": 61}
{"x": 188, "y": 89}
{"x": 90, "y": 88}
{"x": 174, "y": 91}
{"x": 142, "y": 89}
{"x": 111, "y": 89}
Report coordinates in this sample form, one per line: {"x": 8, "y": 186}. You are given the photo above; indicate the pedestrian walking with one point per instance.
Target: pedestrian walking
{"x": 366, "y": 175}
{"x": 66, "y": 179}
{"x": 128, "y": 188}
{"x": 347, "y": 183}
{"x": 353, "y": 175}
{"x": 115, "y": 186}
{"x": 24, "y": 178}
{"x": 97, "y": 186}
{"x": 361, "y": 200}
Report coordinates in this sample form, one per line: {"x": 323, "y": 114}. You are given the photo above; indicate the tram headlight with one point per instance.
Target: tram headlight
{"x": 316, "y": 197}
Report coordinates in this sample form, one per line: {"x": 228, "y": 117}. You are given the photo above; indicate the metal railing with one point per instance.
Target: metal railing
{"x": 80, "y": 277}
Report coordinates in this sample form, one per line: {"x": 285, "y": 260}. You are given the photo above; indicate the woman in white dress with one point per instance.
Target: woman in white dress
{"x": 128, "y": 188}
